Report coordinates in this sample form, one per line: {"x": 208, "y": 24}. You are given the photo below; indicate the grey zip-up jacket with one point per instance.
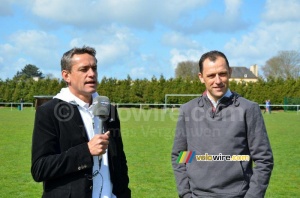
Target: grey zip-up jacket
{"x": 235, "y": 127}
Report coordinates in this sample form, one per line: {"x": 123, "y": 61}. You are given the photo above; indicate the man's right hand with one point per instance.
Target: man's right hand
{"x": 98, "y": 144}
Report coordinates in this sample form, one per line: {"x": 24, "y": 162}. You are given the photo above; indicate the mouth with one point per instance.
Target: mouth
{"x": 90, "y": 83}
{"x": 219, "y": 88}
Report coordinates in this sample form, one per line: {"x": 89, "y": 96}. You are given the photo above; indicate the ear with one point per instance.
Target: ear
{"x": 66, "y": 76}
{"x": 201, "y": 77}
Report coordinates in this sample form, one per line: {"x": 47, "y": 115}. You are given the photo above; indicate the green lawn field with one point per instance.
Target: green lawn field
{"x": 148, "y": 138}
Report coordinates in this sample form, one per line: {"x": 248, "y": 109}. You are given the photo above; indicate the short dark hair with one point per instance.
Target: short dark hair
{"x": 66, "y": 60}
{"x": 212, "y": 55}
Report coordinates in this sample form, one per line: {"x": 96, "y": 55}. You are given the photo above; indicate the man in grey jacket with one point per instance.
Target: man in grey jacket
{"x": 218, "y": 136}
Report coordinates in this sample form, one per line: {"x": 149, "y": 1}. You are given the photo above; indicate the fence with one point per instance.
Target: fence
{"x": 290, "y": 101}
{"x": 174, "y": 106}
{"x": 18, "y": 105}
{"x": 142, "y": 106}
{"x": 285, "y": 107}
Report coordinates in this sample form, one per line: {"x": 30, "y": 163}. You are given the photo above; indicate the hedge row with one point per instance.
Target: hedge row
{"x": 151, "y": 90}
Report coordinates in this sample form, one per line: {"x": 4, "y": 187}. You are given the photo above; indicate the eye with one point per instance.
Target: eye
{"x": 94, "y": 68}
{"x": 83, "y": 69}
{"x": 211, "y": 76}
{"x": 223, "y": 74}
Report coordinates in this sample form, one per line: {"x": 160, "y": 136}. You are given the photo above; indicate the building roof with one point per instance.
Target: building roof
{"x": 242, "y": 72}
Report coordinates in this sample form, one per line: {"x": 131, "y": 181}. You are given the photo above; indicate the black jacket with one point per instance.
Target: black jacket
{"x": 60, "y": 154}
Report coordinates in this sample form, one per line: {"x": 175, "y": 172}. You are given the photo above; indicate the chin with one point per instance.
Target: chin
{"x": 89, "y": 88}
{"x": 90, "y": 91}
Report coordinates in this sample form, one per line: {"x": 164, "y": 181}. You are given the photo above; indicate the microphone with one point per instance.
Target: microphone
{"x": 101, "y": 109}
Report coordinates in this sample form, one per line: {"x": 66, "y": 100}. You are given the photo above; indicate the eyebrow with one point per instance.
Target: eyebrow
{"x": 214, "y": 73}
{"x": 87, "y": 66}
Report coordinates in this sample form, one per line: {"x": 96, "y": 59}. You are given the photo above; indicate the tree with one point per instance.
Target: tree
{"x": 187, "y": 69}
{"x": 285, "y": 65}
{"x": 30, "y": 71}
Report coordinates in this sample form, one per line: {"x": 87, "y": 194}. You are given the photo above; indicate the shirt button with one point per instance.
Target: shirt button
{"x": 79, "y": 168}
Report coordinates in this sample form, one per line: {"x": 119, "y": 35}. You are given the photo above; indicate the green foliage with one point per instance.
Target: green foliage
{"x": 15, "y": 89}
{"x": 29, "y": 71}
{"x": 153, "y": 90}
{"x": 273, "y": 89}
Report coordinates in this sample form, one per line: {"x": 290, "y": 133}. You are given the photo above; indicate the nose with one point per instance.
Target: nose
{"x": 92, "y": 72}
{"x": 218, "y": 79}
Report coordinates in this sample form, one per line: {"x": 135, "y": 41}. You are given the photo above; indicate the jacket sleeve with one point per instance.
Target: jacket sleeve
{"x": 52, "y": 157}
{"x": 180, "y": 144}
{"x": 260, "y": 151}
{"x": 119, "y": 168}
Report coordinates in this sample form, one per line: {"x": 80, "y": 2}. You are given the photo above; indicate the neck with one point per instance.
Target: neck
{"x": 83, "y": 97}
{"x": 212, "y": 98}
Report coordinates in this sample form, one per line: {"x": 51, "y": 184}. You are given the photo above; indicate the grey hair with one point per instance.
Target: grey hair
{"x": 66, "y": 60}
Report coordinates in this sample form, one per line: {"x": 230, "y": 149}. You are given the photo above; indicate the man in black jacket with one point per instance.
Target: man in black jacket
{"x": 67, "y": 139}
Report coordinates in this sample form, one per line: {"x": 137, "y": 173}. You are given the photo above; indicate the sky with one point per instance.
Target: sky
{"x": 143, "y": 38}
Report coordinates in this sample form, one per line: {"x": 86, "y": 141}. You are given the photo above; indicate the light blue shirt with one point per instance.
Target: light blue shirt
{"x": 215, "y": 104}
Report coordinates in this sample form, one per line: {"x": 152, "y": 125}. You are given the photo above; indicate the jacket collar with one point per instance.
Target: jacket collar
{"x": 226, "y": 100}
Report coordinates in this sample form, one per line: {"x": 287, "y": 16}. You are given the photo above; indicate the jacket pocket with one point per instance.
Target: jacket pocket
{"x": 57, "y": 192}
{"x": 218, "y": 177}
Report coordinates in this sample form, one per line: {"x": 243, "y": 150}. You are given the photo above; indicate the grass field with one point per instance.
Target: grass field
{"x": 148, "y": 138}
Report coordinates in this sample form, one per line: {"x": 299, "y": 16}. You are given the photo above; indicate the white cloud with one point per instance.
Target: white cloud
{"x": 37, "y": 47}
{"x": 137, "y": 72}
{"x": 19, "y": 64}
{"x": 12, "y": 68}
{"x": 6, "y": 66}
{"x": 152, "y": 35}
{"x": 282, "y": 10}
{"x": 29, "y": 47}
{"x": 133, "y": 13}
{"x": 107, "y": 53}
{"x": 184, "y": 55}
{"x": 206, "y": 19}
{"x": 114, "y": 45}
{"x": 232, "y": 8}
{"x": 7, "y": 49}
{"x": 33, "y": 40}
{"x": 178, "y": 40}
{"x": 113, "y": 52}
{"x": 68, "y": 11}
{"x": 269, "y": 36}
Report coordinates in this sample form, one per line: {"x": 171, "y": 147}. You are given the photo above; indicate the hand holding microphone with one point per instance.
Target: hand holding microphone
{"x": 99, "y": 143}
